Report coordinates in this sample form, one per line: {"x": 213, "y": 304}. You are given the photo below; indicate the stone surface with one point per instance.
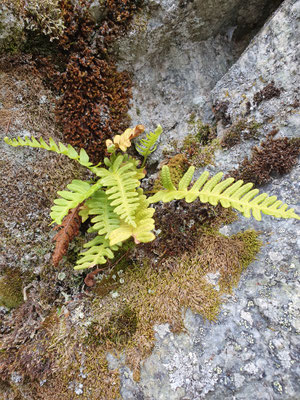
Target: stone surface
{"x": 177, "y": 52}
{"x": 11, "y": 31}
{"x": 180, "y": 54}
{"x": 252, "y": 351}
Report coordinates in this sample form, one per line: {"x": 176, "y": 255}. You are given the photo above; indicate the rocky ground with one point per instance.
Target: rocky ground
{"x": 219, "y": 67}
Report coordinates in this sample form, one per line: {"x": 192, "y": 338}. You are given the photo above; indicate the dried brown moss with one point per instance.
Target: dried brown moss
{"x": 94, "y": 96}
{"x": 267, "y": 93}
{"x": 180, "y": 226}
{"x": 273, "y": 156}
{"x": 221, "y": 112}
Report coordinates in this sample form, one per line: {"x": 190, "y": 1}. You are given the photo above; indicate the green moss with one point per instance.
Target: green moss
{"x": 178, "y": 165}
{"x": 252, "y": 245}
{"x": 12, "y": 43}
{"x": 118, "y": 330}
{"x": 240, "y": 129}
{"x": 204, "y": 133}
{"x": 198, "y": 155}
{"x": 11, "y": 295}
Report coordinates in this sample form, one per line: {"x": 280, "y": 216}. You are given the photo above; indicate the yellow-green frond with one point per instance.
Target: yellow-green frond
{"x": 105, "y": 220}
{"x": 149, "y": 144}
{"x": 121, "y": 183}
{"x": 142, "y": 232}
{"x": 99, "y": 250}
{"x": 229, "y": 193}
{"x": 69, "y": 151}
{"x": 77, "y": 193}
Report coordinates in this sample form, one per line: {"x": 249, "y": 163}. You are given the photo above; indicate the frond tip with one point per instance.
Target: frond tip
{"x": 229, "y": 193}
{"x": 69, "y": 151}
{"x": 148, "y": 145}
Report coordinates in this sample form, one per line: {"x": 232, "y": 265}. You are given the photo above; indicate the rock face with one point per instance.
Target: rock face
{"x": 185, "y": 56}
{"x": 251, "y": 352}
{"x": 11, "y": 31}
{"x": 177, "y": 52}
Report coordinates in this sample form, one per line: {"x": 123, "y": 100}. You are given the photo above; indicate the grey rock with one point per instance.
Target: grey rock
{"x": 252, "y": 351}
{"x": 177, "y": 51}
{"x": 11, "y": 30}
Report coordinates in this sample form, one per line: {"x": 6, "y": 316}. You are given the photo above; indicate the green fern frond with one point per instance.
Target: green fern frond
{"x": 99, "y": 250}
{"x": 77, "y": 193}
{"x": 105, "y": 220}
{"x": 121, "y": 181}
{"x": 144, "y": 224}
{"x": 148, "y": 145}
{"x": 69, "y": 151}
{"x": 237, "y": 195}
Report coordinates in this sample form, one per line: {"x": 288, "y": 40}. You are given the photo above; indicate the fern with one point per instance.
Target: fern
{"x": 144, "y": 225}
{"x": 78, "y": 192}
{"x": 105, "y": 220}
{"x": 117, "y": 206}
{"x": 66, "y": 233}
{"x": 121, "y": 182}
{"x": 99, "y": 250}
{"x": 148, "y": 145}
{"x": 237, "y": 195}
{"x": 68, "y": 151}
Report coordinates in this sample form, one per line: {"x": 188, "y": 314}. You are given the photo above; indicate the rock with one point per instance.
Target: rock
{"x": 177, "y": 51}
{"x": 264, "y": 83}
{"x": 11, "y": 31}
{"x": 251, "y": 352}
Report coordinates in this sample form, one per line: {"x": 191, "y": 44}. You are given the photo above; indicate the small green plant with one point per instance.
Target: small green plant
{"x": 117, "y": 205}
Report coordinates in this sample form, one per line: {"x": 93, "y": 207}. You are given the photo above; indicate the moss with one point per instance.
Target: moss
{"x": 204, "y": 133}
{"x": 199, "y": 147}
{"x": 12, "y": 36}
{"x": 178, "y": 166}
{"x": 11, "y": 295}
{"x": 66, "y": 351}
{"x": 274, "y": 156}
{"x": 267, "y": 93}
{"x": 251, "y": 243}
{"x": 120, "y": 327}
{"x": 241, "y": 129}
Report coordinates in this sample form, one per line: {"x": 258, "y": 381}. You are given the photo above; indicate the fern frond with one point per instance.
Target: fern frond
{"x": 144, "y": 225}
{"x": 66, "y": 233}
{"x": 106, "y": 220}
{"x": 77, "y": 193}
{"x": 148, "y": 145}
{"x": 99, "y": 250}
{"x": 121, "y": 182}
{"x": 69, "y": 151}
{"x": 237, "y": 195}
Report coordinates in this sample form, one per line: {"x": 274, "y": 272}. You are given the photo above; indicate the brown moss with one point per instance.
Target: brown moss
{"x": 274, "y": 156}
{"x": 220, "y": 110}
{"x": 241, "y": 129}
{"x": 181, "y": 228}
{"x": 267, "y": 93}
{"x": 94, "y": 95}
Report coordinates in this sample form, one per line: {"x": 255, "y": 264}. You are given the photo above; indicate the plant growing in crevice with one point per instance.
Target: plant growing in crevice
{"x": 117, "y": 206}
